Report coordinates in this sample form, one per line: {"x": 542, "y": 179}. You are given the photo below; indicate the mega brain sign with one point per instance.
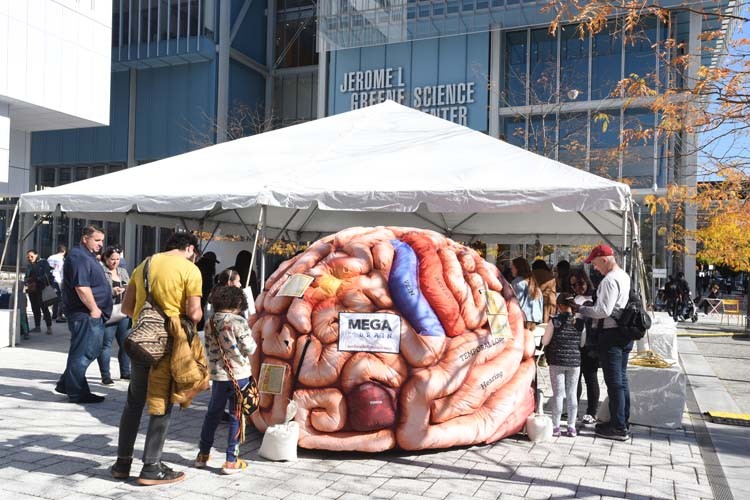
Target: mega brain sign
{"x": 392, "y": 337}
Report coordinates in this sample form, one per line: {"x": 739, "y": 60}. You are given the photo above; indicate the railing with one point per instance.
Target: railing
{"x": 159, "y": 28}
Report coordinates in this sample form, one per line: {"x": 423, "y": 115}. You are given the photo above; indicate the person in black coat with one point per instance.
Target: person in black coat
{"x": 38, "y": 276}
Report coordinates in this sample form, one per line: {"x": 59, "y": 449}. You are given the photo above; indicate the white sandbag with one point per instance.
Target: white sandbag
{"x": 657, "y": 397}
{"x": 280, "y": 442}
{"x": 538, "y": 428}
{"x": 661, "y": 337}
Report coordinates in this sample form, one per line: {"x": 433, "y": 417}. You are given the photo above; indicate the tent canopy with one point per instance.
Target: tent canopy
{"x": 382, "y": 165}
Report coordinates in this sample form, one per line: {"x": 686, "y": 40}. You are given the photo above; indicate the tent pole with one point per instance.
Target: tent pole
{"x": 625, "y": 221}
{"x": 443, "y": 229}
{"x": 261, "y": 221}
{"x": 211, "y": 238}
{"x": 597, "y": 230}
{"x": 299, "y": 231}
{"x": 17, "y": 285}
{"x": 453, "y": 229}
{"x": 262, "y": 250}
{"x": 283, "y": 229}
{"x": 7, "y": 235}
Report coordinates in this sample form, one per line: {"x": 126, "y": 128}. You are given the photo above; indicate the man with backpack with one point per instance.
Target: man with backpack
{"x": 614, "y": 346}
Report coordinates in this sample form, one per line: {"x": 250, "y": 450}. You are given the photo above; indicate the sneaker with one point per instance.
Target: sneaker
{"x": 25, "y": 336}
{"x": 201, "y": 460}
{"x": 572, "y": 432}
{"x": 90, "y": 398}
{"x": 121, "y": 468}
{"x": 108, "y": 381}
{"x": 609, "y": 432}
{"x": 556, "y": 432}
{"x": 125, "y": 376}
{"x": 49, "y": 329}
{"x": 234, "y": 467}
{"x": 153, "y": 474}
{"x": 36, "y": 329}
{"x": 588, "y": 420}
{"x": 60, "y": 388}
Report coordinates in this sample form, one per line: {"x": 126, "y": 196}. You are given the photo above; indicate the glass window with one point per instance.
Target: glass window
{"x": 542, "y": 67}
{"x": 640, "y": 56}
{"x": 44, "y": 237}
{"x": 113, "y": 234}
{"x": 572, "y": 139}
{"x": 638, "y": 156}
{"x": 514, "y": 130}
{"x": 604, "y": 157}
{"x": 574, "y": 66}
{"x": 46, "y": 177}
{"x": 606, "y": 62}
{"x": 78, "y": 225}
{"x": 515, "y": 69}
{"x": 63, "y": 230}
{"x": 81, "y": 173}
{"x": 65, "y": 175}
{"x": 97, "y": 171}
{"x": 164, "y": 234}
{"x": 148, "y": 241}
{"x": 542, "y": 138}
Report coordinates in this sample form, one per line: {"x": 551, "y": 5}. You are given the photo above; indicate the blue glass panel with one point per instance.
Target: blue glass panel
{"x": 542, "y": 138}
{"x": 640, "y": 54}
{"x": 572, "y": 140}
{"x": 424, "y": 9}
{"x": 606, "y": 62}
{"x": 605, "y": 139}
{"x": 542, "y": 67}
{"x": 452, "y": 6}
{"x": 638, "y": 156}
{"x": 574, "y": 66}
{"x": 514, "y": 89}
{"x": 514, "y": 131}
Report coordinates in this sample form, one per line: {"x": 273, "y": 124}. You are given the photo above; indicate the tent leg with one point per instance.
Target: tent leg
{"x": 263, "y": 251}
{"x": 625, "y": 220}
{"x": 17, "y": 285}
{"x": 261, "y": 223}
{"x": 607, "y": 240}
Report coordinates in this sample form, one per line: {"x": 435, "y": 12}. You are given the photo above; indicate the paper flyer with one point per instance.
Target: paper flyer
{"x": 271, "y": 379}
{"x": 295, "y": 286}
{"x": 497, "y": 314}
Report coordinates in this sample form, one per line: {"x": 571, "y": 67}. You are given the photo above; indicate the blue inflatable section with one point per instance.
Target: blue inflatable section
{"x": 403, "y": 284}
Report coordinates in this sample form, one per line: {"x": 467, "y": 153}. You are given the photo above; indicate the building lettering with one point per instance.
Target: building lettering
{"x": 448, "y": 101}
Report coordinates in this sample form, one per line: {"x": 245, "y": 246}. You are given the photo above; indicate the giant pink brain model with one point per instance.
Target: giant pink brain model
{"x": 452, "y": 381}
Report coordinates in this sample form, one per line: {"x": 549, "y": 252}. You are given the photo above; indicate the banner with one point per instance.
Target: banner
{"x": 369, "y": 332}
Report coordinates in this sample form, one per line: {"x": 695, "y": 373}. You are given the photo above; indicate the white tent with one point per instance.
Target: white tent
{"x": 382, "y": 165}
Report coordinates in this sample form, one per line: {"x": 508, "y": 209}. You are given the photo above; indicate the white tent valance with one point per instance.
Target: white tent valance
{"x": 382, "y": 165}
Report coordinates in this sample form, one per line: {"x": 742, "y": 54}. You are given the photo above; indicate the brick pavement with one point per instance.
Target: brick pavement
{"x": 53, "y": 449}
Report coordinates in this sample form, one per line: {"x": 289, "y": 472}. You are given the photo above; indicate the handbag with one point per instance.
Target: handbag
{"x": 149, "y": 340}
{"x": 246, "y": 398}
{"x": 49, "y": 296}
{"x": 117, "y": 315}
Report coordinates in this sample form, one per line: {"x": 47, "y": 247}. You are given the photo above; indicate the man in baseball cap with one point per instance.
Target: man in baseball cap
{"x": 614, "y": 348}
{"x": 600, "y": 251}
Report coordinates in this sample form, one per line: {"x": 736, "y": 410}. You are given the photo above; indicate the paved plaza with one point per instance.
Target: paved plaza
{"x": 52, "y": 449}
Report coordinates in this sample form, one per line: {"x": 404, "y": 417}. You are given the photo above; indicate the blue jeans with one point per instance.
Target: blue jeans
{"x": 120, "y": 332}
{"x": 86, "y": 337}
{"x": 613, "y": 358}
{"x": 221, "y": 394}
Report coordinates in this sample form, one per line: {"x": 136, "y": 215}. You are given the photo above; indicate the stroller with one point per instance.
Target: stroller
{"x": 688, "y": 310}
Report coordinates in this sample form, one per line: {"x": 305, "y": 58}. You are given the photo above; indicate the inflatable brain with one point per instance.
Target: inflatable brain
{"x": 451, "y": 381}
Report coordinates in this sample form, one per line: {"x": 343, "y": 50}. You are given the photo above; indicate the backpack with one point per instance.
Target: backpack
{"x": 633, "y": 320}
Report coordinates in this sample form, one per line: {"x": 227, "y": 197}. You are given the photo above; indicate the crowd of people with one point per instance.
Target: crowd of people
{"x": 580, "y": 336}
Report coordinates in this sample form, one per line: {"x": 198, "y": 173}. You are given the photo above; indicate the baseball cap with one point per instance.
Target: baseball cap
{"x": 599, "y": 251}
{"x": 566, "y": 299}
{"x": 211, "y": 256}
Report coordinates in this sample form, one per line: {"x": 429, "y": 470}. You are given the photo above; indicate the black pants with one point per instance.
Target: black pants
{"x": 39, "y": 309}
{"x": 131, "y": 419}
{"x": 589, "y": 372}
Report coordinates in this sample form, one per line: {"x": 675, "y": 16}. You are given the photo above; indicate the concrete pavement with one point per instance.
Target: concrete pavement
{"x": 52, "y": 449}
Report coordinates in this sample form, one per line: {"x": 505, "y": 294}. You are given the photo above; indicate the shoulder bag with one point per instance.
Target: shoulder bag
{"x": 149, "y": 340}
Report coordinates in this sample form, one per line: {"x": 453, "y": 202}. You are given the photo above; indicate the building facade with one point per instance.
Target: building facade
{"x": 54, "y": 74}
{"x": 186, "y": 73}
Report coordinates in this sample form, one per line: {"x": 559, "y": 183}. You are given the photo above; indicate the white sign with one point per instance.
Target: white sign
{"x": 659, "y": 272}
{"x": 369, "y": 332}
{"x": 448, "y": 101}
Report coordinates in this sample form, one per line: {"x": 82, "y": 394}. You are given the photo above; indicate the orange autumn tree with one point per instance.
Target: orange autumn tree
{"x": 703, "y": 108}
